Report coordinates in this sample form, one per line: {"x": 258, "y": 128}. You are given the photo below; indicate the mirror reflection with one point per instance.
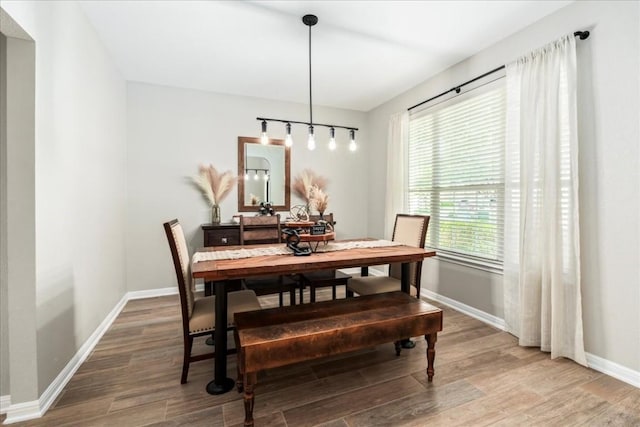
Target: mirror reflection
{"x": 264, "y": 174}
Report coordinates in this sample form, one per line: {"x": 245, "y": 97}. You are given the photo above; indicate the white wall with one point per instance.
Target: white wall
{"x": 608, "y": 99}
{"x": 171, "y": 131}
{"x": 80, "y": 180}
{"x": 18, "y": 361}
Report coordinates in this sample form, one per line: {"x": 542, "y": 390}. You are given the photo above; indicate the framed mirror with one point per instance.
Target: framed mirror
{"x": 263, "y": 174}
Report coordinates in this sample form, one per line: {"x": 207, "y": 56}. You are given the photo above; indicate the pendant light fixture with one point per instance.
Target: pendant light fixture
{"x": 310, "y": 21}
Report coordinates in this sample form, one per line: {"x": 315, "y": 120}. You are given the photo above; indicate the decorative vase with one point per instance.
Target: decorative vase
{"x": 321, "y": 216}
{"x": 215, "y": 214}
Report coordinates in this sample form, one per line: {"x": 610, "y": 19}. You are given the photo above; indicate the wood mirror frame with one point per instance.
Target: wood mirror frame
{"x": 275, "y": 144}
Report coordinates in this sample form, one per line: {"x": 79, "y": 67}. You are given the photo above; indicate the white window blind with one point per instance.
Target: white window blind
{"x": 456, "y": 172}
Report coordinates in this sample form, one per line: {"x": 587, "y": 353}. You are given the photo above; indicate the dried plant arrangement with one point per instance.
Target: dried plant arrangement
{"x": 215, "y": 186}
{"x": 304, "y": 182}
{"x": 320, "y": 199}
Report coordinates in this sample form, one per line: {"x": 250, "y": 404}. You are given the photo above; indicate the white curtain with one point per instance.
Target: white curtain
{"x": 397, "y": 145}
{"x": 543, "y": 303}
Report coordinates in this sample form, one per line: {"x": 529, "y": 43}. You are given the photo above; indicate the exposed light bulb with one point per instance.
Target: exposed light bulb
{"x": 266, "y": 176}
{"x": 264, "y": 138}
{"x": 288, "y": 141}
{"x": 311, "y": 142}
{"x": 352, "y": 143}
{"x": 332, "y": 139}
{"x": 246, "y": 175}
{"x": 256, "y": 177}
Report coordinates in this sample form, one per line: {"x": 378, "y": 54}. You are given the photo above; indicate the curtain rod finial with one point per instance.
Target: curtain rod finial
{"x": 582, "y": 34}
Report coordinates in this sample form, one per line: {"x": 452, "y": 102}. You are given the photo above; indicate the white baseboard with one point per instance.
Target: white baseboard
{"x": 490, "y": 319}
{"x": 23, "y": 411}
{"x": 151, "y": 293}
{"x": 5, "y": 402}
{"x": 614, "y": 370}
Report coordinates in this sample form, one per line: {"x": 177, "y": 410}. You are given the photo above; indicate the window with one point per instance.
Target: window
{"x": 456, "y": 173}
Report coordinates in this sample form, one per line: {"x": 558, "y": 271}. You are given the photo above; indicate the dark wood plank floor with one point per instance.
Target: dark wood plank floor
{"x": 482, "y": 377}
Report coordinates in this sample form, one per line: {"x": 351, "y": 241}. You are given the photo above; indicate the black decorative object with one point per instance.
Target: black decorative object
{"x": 293, "y": 238}
{"x": 266, "y": 209}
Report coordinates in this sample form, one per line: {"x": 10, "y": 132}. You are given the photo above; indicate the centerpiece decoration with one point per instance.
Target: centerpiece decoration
{"x": 320, "y": 200}
{"x": 215, "y": 187}
{"x": 306, "y": 184}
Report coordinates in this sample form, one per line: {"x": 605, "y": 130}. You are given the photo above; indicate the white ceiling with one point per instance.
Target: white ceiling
{"x": 363, "y": 52}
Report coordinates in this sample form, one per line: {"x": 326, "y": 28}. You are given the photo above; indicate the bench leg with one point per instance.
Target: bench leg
{"x": 431, "y": 353}
{"x": 249, "y": 382}
{"x": 398, "y": 345}
{"x": 240, "y": 381}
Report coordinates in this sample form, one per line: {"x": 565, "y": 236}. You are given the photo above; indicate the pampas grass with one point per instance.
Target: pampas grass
{"x": 215, "y": 186}
{"x": 320, "y": 199}
{"x": 304, "y": 183}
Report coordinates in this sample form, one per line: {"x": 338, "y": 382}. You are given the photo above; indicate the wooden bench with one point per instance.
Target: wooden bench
{"x": 281, "y": 336}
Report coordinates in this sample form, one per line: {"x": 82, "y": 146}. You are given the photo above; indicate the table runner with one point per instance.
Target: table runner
{"x": 281, "y": 249}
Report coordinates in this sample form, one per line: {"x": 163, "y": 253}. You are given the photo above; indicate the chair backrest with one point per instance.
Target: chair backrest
{"x": 260, "y": 229}
{"x": 410, "y": 230}
{"x": 182, "y": 264}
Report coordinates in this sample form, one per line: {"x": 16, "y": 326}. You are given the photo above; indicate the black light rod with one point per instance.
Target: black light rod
{"x": 306, "y": 123}
{"x": 310, "y": 97}
{"x": 582, "y": 34}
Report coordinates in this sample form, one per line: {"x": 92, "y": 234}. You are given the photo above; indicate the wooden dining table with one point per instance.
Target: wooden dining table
{"x": 223, "y": 271}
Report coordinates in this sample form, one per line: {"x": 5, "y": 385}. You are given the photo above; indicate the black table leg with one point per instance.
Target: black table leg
{"x": 405, "y": 287}
{"x": 220, "y": 384}
{"x": 405, "y": 280}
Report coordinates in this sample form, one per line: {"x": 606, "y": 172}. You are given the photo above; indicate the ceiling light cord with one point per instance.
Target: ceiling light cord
{"x": 310, "y": 91}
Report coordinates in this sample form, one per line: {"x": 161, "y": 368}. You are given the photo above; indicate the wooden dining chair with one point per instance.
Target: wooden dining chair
{"x": 266, "y": 229}
{"x": 198, "y": 313}
{"x": 323, "y": 278}
{"x": 410, "y": 230}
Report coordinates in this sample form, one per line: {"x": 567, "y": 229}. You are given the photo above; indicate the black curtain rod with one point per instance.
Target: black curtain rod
{"x": 582, "y": 34}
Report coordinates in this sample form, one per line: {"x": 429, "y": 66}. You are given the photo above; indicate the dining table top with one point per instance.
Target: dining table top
{"x": 225, "y": 269}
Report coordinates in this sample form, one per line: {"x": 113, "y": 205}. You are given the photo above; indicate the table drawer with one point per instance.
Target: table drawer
{"x": 221, "y": 237}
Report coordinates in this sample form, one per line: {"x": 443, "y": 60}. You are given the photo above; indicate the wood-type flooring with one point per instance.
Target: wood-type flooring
{"x": 482, "y": 377}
